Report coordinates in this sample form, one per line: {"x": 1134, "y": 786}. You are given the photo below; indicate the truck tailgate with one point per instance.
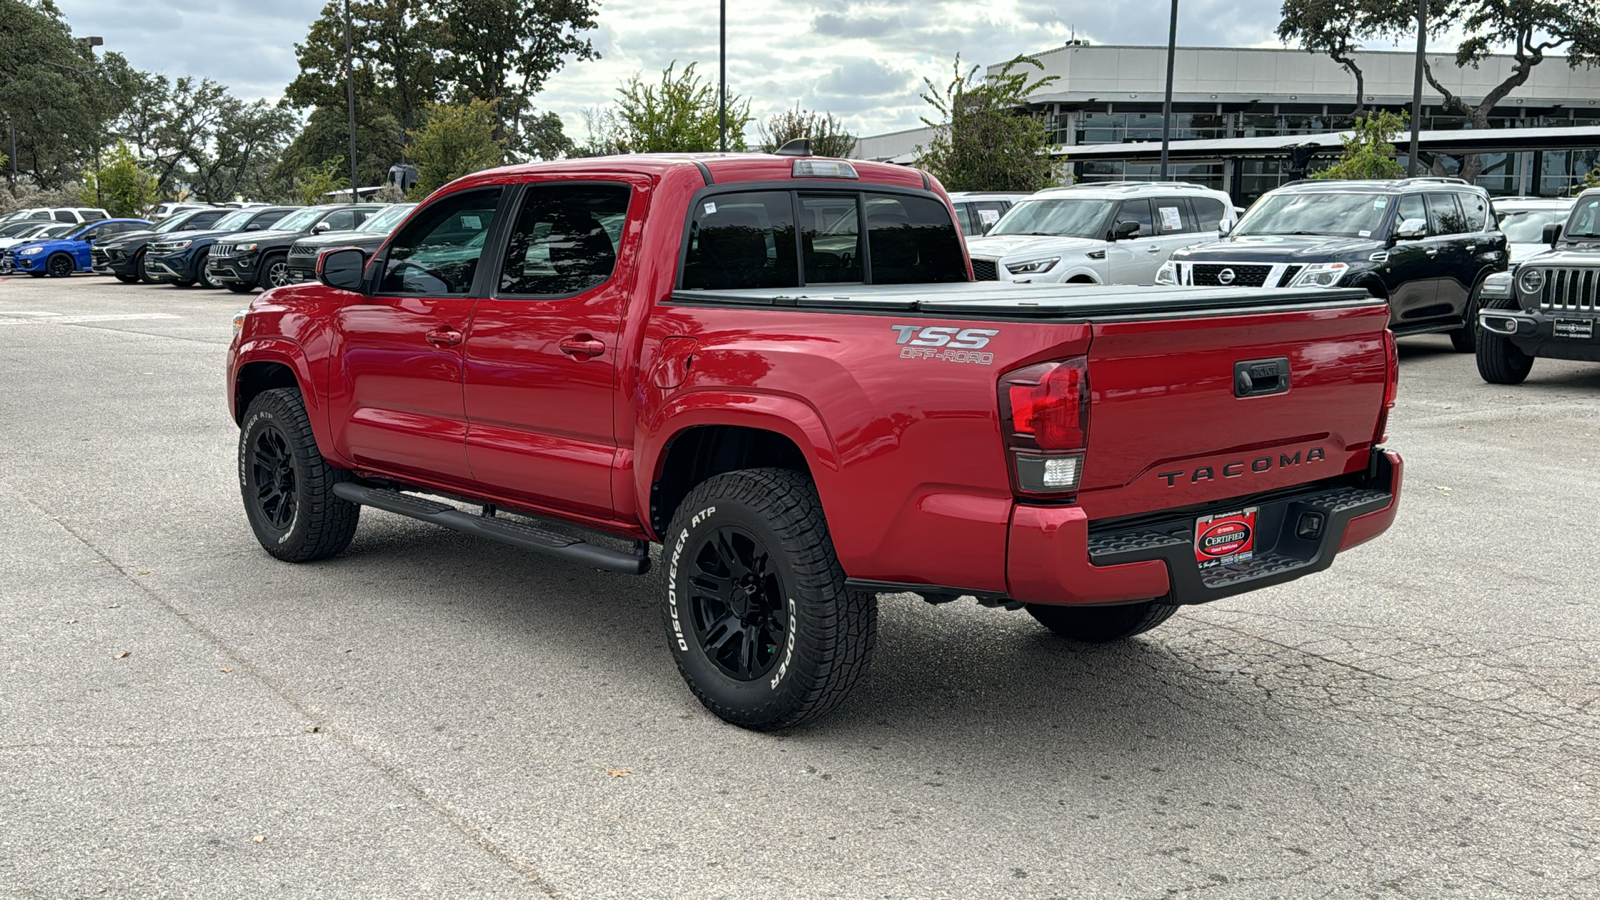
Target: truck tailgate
{"x": 1172, "y": 423}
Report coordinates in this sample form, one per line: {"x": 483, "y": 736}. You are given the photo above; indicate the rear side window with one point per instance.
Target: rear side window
{"x": 439, "y": 249}
{"x": 566, "y": 239}
{"x": 1476, "y": 209}
{"x": 742, "y": 240}
{"x": 342, "y": 220}
{"x": 911, "y": 241}
{"x": 1208, "y": 213}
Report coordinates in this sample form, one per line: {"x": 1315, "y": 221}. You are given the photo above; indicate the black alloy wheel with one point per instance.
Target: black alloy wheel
{"x": 272, "y": 474}
{"x": 60, "y": 266}
{"x": 287, "y": 486}
{"x": 274, "y": 272}
{"x": 736, "y": 604}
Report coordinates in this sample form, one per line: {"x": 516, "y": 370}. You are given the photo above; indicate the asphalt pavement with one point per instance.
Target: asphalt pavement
{"x": 434, "y": 716}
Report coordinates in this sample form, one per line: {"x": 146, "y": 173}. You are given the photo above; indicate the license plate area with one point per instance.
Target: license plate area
{"x": 1224, "y": 538}
{"x": 1574, "y": 329}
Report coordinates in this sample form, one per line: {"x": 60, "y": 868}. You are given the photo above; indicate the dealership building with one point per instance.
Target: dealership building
{"x": 1245, "y": 120}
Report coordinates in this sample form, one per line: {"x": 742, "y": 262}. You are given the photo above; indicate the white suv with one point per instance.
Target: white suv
{"x": 1098, "y": 233}
{"x": 69, "y": 215}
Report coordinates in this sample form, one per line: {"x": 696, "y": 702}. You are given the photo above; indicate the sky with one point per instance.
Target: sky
{"x": 863, "y": 60}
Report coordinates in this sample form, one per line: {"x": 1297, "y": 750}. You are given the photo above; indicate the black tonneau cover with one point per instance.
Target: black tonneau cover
{"x": 989, "y": 299}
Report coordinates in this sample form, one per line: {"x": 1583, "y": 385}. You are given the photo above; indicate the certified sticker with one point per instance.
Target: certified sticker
{"x": 1225, "y": 538}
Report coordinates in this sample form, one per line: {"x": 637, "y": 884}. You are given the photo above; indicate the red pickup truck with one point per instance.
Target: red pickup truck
{"x": 779, "y": 369}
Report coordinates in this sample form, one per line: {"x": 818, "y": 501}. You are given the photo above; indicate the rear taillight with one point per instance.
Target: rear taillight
{"x": 1391, "y": 386}
{"x": 1044, "y": 414}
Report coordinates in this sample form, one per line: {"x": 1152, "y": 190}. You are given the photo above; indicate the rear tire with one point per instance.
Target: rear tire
{"x": 760, "y": 622}
{"x": 286, "y": 484}
{"x": 1101, "y": 624}
{"x": 1499, "y": 360}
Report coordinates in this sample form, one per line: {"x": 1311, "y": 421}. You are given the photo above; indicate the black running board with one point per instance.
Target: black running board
{"x": 506, "y": 531}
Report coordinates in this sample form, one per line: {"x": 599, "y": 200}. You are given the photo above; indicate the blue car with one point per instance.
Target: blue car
{"x": 60, "y": 257}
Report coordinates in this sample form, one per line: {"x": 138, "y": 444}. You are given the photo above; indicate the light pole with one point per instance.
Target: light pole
{"x": 722, "y": 82}
{"x": 93, "y": 41}
{"x": 1166, "y": 107}
{"x": 1416, "y": 90}
{"x": 350, "y": 96}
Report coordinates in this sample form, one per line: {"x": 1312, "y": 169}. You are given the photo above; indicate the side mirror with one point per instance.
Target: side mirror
{"x": 254, "y": 227}
{"x": 323, "y": 227}
{"x": 1411, "y": 229}
{"x": 1552, "y": 233}
{"x": 1124, "y": 230}
{"x": 342, "y": 268}
{"x": 1224, "y": 227}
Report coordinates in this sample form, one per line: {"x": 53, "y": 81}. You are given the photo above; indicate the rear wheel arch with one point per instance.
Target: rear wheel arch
{"x": 701, "y": 452}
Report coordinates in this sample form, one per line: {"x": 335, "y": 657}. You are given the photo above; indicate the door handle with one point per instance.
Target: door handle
{"x": 1432, "y": 252}
{"x": 443, "y": 337}
{"x": 582, "y": 346}
{"x": 1152, "y": 249}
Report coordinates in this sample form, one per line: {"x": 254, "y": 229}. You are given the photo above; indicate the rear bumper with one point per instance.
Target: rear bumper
{"x": 1056, "y": 557}
{"x": 1537, "y": 334}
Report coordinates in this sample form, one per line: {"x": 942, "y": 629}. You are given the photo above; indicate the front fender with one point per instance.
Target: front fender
{"x": 286, "y": 352}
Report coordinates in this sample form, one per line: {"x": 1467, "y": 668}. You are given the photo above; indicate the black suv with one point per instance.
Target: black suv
{"x": 1423, "y": 244}
{"x": 244, "y": 262}
{"x": 1550, "y": 306}
{"x": 179, "y": 258}
{"x": 123, "y": 256}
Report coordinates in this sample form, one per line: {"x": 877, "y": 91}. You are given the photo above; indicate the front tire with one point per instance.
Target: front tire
{"x": 761, "y": 624}
{"x": 1499, "y": 360}
{"x": 128, "y": 279}
{"x": 274, "y": 272}
{"x": 144, "y": 271}
{"x": 1466, "y": 339}
{"x": 286, "y": 484}
{"x": 240, "y": 287}
{"x": 1101, "y": 624}
{"x": 61, "y": 266}
{"x": 202, "y": 277}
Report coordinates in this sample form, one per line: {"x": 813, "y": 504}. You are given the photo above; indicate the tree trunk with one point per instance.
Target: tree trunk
{"x": 1350, "y": 66}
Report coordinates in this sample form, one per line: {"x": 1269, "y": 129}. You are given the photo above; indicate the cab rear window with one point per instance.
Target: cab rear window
{"x": 784, "y": 239}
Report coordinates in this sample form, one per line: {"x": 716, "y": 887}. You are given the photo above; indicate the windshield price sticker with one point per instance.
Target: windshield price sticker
{"x": 1225, "y": 538}
{"x": 1580, "y": 329}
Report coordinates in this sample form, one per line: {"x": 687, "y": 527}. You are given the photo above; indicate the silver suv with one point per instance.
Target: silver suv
{"x": 1098, "y": 233}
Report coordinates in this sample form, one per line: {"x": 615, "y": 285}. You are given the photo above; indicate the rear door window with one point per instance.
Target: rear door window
{"x": 341, "y": 220}
{"x": 65, "y": 215}
{"x": 742, "y": 240}
{"x": 565, "y": 240}
{"x": 989, "y": 213}
{"x": 911, "y": 240}
{"x": 1445, "y": 216}
{"x": 1173, "y": 216}
{"x": 1476, "y": 210}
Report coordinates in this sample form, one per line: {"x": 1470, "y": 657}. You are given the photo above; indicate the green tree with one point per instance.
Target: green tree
{"x": 57, "y": 92}
{"x": 1369, "y": 150}
{"x": 312, "y": 184}
{"x": 121, "y": 186}
{"x": 1334, "y": 28}
{"x": 984, "y": 139}
{"x": 679, "y": 114}
{"x": 827, "y": 134}
{"x": 455, "y": 141}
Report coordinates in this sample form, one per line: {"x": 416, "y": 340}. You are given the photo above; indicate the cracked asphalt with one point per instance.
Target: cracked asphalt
{"x": 433, "y": 716}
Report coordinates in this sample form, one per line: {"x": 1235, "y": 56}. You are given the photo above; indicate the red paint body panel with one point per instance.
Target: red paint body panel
{"x": 907, "y": 453}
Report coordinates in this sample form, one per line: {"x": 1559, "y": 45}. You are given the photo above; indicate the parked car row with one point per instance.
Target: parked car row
{"x": 239, "y": 248}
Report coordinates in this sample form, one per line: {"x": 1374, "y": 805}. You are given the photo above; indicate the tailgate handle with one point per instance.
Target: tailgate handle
{"x": 1261, "y": 377}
